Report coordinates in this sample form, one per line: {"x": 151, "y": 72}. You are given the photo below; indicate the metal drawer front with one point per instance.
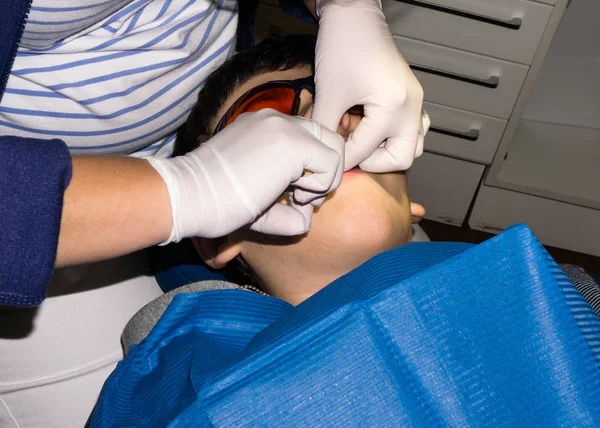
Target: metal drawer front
{"x": 464, "y": 80}
{"x": 507, "y": 29}
{"x": 462, "y": 134}
{"x": 444, "y": 186}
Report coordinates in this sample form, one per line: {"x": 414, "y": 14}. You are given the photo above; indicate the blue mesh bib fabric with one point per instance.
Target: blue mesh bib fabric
{"x": 430, "y": 334}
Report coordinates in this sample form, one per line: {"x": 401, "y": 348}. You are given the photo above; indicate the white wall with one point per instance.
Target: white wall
{"x": 567, "y": 90}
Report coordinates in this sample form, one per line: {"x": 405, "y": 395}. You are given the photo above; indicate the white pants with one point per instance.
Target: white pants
{"x": 55, "y": 359}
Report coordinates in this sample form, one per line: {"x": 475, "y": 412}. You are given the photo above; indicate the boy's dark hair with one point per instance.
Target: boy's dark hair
{"x": 273, "y": 54}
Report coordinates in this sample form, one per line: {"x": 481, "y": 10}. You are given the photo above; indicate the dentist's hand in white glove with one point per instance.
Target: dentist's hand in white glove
{"x": 236, "y": 177}
{"x": 357, "y": 63}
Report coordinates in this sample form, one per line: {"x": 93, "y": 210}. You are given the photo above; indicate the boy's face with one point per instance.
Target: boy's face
{"x": 366, "y": 215}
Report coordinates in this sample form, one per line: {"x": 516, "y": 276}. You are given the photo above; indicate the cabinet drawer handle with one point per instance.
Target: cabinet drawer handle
{"x": 472, "y": 135}
{"x": 512, "y": 24}
{"x": 491, "y": 82}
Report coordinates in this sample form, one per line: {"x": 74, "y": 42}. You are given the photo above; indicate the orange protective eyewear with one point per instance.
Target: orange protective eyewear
{"x": 280, "y": 95}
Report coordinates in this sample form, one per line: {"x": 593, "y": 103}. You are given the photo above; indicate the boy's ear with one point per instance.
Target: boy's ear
{"x": 216, "y": 253}
{"x": 417, "y": 212}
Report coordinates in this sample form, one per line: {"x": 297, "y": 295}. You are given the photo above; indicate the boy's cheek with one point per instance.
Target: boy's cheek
{"x": 395, "y": 185}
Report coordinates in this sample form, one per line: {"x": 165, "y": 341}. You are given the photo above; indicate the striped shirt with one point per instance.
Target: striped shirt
{"x": 114, "y": 76}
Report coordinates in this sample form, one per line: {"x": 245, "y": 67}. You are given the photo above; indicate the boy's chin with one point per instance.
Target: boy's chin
{"x": 365, "y": 240}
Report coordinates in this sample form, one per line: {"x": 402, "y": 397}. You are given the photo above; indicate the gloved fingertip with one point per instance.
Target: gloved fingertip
{"x": 426, "y": 123}
{"x": 284, "y": 220}
{"x": 304, "y": 197}
{"x": 326, "y": 115}
{"x": 348, "y": 165}
{"x": 350, "y": 160}
{"x": 294, "y": 226}
{"x": 420, "y": 145}
{"x": 382, "y": 161}
{"x": 317, "y": 202}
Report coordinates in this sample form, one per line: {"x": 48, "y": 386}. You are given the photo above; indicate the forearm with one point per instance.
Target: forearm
{"x": 113, "y": 206}
{"x": 311, "y": 5}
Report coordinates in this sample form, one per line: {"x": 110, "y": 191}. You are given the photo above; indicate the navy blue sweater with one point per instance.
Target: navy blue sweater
{"x": 33, "y": 177}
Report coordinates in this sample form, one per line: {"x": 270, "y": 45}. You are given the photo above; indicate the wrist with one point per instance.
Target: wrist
{"x": 164, "y": 186}
{"x": 196, "y": 186}
{"x": 322, "y": 6}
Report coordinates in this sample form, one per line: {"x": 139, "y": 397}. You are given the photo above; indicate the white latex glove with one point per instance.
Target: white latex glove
{"x": 357, "y": 63}
{"x": 234, "y": 178}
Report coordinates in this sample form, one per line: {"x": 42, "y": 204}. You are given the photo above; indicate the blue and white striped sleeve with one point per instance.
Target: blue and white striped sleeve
{"x": 114, "y": 76}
